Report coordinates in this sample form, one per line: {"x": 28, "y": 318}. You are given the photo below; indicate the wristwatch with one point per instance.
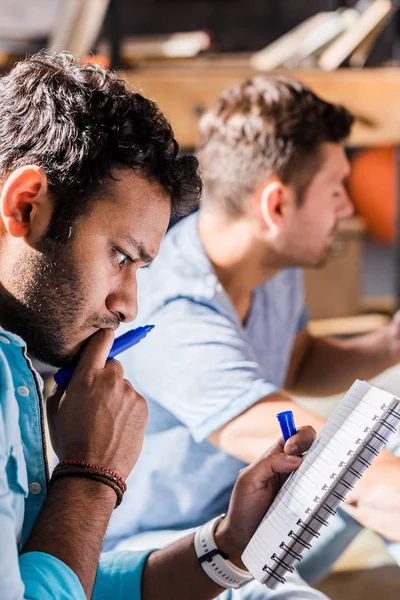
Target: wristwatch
{"x": 215, "y": 562}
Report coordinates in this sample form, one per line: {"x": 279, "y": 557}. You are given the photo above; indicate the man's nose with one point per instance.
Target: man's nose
{"x": 346, "y": 207}
{"x": 124, "y": 302}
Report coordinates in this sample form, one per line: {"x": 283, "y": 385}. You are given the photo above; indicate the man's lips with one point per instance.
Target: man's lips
{"x": 333, "y": 234}
{"x": 106, "y": 323}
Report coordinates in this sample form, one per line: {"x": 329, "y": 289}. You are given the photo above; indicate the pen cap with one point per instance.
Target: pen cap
{"x": 286, "y": 422}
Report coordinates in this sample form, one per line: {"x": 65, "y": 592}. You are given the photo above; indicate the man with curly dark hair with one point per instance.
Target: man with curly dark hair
{"x": 89, "y": 176}
{"x": 83, "y": 131}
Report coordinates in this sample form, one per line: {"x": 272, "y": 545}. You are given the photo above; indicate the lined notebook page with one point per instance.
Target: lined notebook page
{"x": 343, "y": 436}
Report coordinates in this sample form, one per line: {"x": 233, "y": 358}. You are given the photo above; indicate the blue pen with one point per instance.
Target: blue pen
{"x": 123, "y": 342}
{"x": 286, "y": 422}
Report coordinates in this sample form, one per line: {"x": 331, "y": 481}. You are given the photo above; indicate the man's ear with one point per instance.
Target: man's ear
{"x": 24, "y": 203}
{"x": 272, "y": 202}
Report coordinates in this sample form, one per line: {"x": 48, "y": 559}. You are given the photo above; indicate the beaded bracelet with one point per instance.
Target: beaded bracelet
{"x": 82, "y": 463}
{"x": 77, "y": 468}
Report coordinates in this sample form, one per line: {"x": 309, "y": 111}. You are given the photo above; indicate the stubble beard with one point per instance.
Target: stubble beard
{"x": 43, "y": 301}
{"x": 295, "y": 258}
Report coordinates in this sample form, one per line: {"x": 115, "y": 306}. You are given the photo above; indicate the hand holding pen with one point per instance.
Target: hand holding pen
{"x": 98, "y": 418}
{"x": 289, "y": 430}
{"x": 121, "y": 343}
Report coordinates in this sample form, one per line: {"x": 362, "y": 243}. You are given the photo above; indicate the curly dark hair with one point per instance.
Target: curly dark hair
{"x": 78, "y": 122}
{"x": 266, "y": 126}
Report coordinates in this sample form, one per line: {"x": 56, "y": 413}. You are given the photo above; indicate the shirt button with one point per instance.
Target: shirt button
{"x": 35, "y": 488}
{"x": 4, "y": 339}
{"x": 22, "y": 390}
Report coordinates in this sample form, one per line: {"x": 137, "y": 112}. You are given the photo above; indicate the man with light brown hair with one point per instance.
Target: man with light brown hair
{"x": 231, "y": 342}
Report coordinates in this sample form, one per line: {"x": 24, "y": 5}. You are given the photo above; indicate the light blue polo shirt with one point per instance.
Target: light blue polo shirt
{"x": 198, "y": 369}
{"x": 23, "y": 490}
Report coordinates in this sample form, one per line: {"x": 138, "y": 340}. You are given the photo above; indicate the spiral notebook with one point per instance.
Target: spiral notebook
{"x": 351, "y": 438}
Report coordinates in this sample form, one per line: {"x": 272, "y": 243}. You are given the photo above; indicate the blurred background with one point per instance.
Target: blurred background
{"x": 183, "y": 53}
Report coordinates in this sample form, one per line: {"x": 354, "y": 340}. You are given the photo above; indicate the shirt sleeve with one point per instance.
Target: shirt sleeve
{"x": 45, "y": 577}
{"x": 199, "y": 365}
{"x": 119, "y": 576}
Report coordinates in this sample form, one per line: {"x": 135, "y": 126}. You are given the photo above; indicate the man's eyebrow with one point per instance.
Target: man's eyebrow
{"x": 140, "y": 249}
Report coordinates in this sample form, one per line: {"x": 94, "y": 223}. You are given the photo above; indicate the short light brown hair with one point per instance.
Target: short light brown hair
{"x": 267, "y": 126}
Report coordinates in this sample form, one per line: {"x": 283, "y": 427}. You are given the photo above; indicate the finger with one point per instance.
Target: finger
{"x": 276, "y": 448}
{"x": 54, "y": 399}
{"x": 96, "y": 350}
{"x": 301, "y": 441}
{"x": 129, "y": 385}
{"x": 267, "y": 467}
{"x": 352, "y": 499}
{"x": 114, "y": 366}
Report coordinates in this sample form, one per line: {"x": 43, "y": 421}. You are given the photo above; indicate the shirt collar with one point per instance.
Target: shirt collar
{"x": 189, "y": 240}
{"x": 12, "y": 337}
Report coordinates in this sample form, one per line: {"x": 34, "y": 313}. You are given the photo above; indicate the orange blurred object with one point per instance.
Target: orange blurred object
{"x": 372, "y": 187}
{"x": 97, "y": 59}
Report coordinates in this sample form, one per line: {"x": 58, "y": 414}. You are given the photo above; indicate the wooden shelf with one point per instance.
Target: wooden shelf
{"x": 184, "y": 89}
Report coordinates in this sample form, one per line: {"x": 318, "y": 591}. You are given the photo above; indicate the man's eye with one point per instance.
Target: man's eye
{"x": 121, "y": 258}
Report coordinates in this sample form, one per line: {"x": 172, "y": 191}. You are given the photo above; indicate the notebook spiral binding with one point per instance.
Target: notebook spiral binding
{"x": 325, "y": 505}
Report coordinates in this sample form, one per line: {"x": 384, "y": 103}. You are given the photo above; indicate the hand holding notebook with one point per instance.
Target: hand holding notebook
{"x": 255, "y": 489}
{"x": 354, "y": 434}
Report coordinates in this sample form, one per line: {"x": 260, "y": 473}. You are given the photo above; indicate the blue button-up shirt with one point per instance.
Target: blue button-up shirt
{"x": 198, "y": 369}
{"x": 23, "y": 489}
